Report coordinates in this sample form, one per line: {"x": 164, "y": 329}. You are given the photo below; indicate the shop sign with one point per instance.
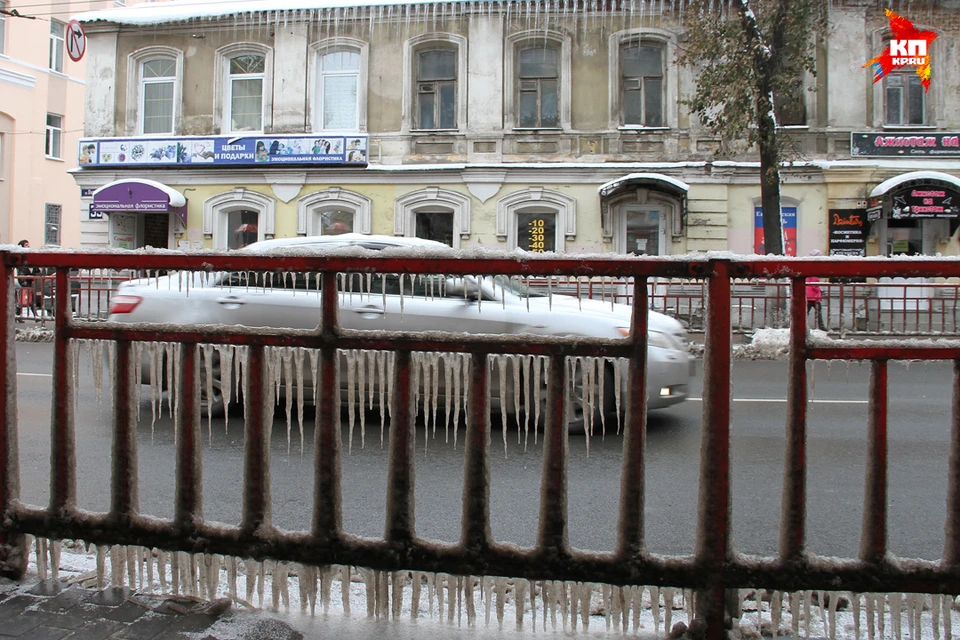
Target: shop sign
{"x": 223, "y": 151}
{"x": 848, "y": 232}
{"x": 925, "y": 201}
{"x": 918, "y": 144}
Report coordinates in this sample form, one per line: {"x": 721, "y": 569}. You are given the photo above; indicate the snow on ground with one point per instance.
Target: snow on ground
{"x": 379, "y": 603}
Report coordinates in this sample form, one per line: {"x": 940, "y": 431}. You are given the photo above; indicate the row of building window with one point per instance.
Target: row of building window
{"x": 537, "y": 95}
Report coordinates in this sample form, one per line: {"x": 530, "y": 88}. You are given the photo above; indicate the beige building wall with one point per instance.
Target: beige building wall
{"x": 30, "y": 179}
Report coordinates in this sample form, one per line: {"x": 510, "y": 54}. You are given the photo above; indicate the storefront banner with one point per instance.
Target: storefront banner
{"x": 789, "y": 217}
{"x": 222, "y": 151}
{"x": 848, "y": 235}
{"x": 925, "y": 202}
{"x": 917, "y": 144}
{"x": 133, "y": 196}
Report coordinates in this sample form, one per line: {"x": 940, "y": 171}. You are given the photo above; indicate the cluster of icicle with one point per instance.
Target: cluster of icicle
{"x": 570, "y": 606}
{"x": 440, "y": 382}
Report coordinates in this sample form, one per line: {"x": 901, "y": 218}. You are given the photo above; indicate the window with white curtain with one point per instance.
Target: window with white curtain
{"x": 3, "y": 26}
{"x": 157, "y": 79}
{"x": 58, "y": 32}
{"x": 53, "y": 142}
{"x": 246, "y": 73}
{"x": 339, "y": 90}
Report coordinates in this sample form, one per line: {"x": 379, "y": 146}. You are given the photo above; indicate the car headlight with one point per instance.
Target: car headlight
{"x": 662, "y": 340}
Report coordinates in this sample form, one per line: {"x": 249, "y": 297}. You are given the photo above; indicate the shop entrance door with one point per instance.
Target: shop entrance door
{"x": 156, "y": 230}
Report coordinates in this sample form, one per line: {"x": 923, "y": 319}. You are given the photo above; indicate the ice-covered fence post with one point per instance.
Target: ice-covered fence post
{"x": 713, "y": 519}
{"x": 327, "y": 505}
{"x": 189, "y": 499}
{"x": 793, "y": 514}
{"x": 63, "y": 443}
{"x": 476, "y": 534}
{"x": 552, "y": 537}
{"x": 13, "y": 548}
{"x": 951, "y": 546}
{"x": 258, "y": 398}
{"x": 630, "y": 541}
{"x": 124, "y": 488}
{"x": 400, "y": 474}
{"x": 873, "y": 540}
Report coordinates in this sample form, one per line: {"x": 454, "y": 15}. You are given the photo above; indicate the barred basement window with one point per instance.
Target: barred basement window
{"x": 51, "y": 224}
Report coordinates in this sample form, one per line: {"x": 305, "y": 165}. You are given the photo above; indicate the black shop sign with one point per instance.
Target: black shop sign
{"x": 848, "y": 235}
{"x": 925, "y": 201}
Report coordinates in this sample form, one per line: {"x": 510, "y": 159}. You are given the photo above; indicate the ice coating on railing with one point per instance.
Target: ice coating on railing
{"x": 463, "y": 601}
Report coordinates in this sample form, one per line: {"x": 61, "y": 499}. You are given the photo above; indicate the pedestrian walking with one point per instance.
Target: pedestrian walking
{"x": 815, "y": 297}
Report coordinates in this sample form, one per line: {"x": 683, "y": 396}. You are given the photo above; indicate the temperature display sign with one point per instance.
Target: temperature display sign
{"x": 536, "y": 232}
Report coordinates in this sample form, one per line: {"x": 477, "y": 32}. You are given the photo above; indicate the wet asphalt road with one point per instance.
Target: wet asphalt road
{"x": 919, "y": 444}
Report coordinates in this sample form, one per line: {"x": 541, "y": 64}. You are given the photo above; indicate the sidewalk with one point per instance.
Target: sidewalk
{"x": 48, "y": 611}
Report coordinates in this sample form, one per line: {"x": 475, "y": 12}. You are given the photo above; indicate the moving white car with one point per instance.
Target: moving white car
{"x": 402, "y": 302}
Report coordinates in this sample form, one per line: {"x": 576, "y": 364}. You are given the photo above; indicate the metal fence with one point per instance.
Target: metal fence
{"x": 714, "y": 568}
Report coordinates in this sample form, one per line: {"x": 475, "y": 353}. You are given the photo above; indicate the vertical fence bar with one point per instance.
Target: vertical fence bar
{"x": 630, "y": 534}
{"x": 327, "y": 505}
{"x": 873, "y": 541}
{"x": 793, "y": 514}
{"x": 63, "y": 460}
{"x": 13, "y": 548}
{"x": 124, "y": 486}
{"x": 552, "y": 534}
{"x": 258, "y": 399}
{"x": 713, "y": 518}
{"x": 189, "y": 497}
{"x": 951, "y": 546}
{"x": 475, "y": 533}
{"x": 400, "y": 472}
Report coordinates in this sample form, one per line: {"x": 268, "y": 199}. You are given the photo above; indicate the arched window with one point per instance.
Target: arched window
{"x": 644, "y": 222}
{"x": 433, "y": 214}
{"x": 537, "y": 92}
{"x": 236, "y": 218}
{"x": 435, "y": 98}
{"x": 643, "y": 83}
{"x": 537, "y": 220}
{"x": 338, "y": 71}
{"x": 332, "y": 212}
{"x": 154, "y": 93}
{"x": 243, "y": 83}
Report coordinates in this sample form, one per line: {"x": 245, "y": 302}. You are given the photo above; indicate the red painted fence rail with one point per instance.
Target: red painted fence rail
{"x": 711, "y": 570}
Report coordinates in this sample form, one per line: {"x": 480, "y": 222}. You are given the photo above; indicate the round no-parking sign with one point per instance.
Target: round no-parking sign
{"x": 76, "y": 40}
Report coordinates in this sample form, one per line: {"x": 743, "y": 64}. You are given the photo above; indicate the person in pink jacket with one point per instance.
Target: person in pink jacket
{"x": 815, "y": 296}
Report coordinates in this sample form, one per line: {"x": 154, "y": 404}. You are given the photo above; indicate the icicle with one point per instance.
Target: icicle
{"x": 469, "y": 584}
{"x": 501, "y": 361}
{"x": 807, "y": 598}
{"x": 896, "y": 602}
{"x": 131, "y": 553}
{"x": 399, "y": 577}
{"x": 345, "y": 589}
{"x": 299, "y": 356}
{"x": 117, "y": 560}
{"x": 935, "y": 615}
{"x": 501, "y": 595}
{"x": 250, "y": 571}
{"x": 946, "y": 603}
{"x": 162, "y": 571}
{"x": 326, "y": 580}
{"x": 655, "y": 607}
{"x": 231, "y": 563}
{"x": 351, "y": 393}
{"x": 668, "y": 609}
{"x": 289, "y": 381}
{"x": 776, "y": 605}
{"x": 607, "y": 605}
{"x": 415, "y": 595}
{"x": 101, "y": 562}
{"x": 41, "y": 553}
{"x": 487, "y": 586}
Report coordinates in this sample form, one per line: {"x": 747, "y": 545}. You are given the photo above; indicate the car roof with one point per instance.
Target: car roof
{"x": 375, "y": 242}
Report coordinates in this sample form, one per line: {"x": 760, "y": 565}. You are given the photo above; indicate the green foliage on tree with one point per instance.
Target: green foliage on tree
{"x": 749, "y": 56}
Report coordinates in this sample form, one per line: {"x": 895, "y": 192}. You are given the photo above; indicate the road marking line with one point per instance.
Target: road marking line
{"x": 36, "y": 375}
{"x": 784, "y": 400}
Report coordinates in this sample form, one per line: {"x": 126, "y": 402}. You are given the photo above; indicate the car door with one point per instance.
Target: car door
{"x": 251, "y": 299}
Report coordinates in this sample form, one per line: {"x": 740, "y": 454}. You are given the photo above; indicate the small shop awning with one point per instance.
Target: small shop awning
{"x": 653, "y": 181}
{"x": 656, "y": 181}
{"x": 139, "y": 196}
{"x": 916, "y": 178}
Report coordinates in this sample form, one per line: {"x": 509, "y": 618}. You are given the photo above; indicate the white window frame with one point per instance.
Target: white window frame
{"x": 311, "y": 206}
{"x": 221, "y": 85}
{"x": 668, "y": 41}
{"x": 3, "y": 28}
{"x": 315, "y": 80}
{"x": 134, "y": 111}
{"x": 216, "y": 210}
{"x": 933, "y": 108}
{"x": 509, "y": 206}
{"x": 53, "y": 138}
{"x": 405, "y": 210}
{"x": 410, "y": 50}
{"x": 646, "y": 199}
{"x": 517, "y": 41}
{"x": 57, "y": 45}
